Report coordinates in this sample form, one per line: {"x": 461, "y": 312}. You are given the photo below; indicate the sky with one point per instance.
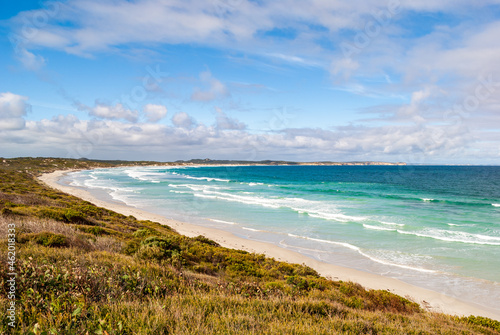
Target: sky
{"x": 300, "y": 80}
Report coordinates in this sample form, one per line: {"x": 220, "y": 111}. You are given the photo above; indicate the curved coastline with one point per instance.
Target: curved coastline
{"x": 429, "y": 300}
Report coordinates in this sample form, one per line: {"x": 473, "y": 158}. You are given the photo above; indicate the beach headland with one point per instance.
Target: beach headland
{"x": 429, "y": 300}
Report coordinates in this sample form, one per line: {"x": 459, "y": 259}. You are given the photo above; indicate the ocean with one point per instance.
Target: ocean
{"x": 436, "y": 227}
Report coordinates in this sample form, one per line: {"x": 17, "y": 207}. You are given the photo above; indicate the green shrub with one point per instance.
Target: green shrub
{"x": 286, "y": 268}
{"x": 317, "y": 308}
{"x": 46, "y": 239}
{"x": 166, "y": 243}
{"x": 131, "y": 247}
{"x": 355, "y": 302}
{"x": 6, "y": 211}
{"x": 74, "y": 216}
{"x": 158, "y": 248}
{"x": 380, "y": 299}
{"x": 53, "y": 213}
{"x": 205, "y": 268}
{"x": 94, "y": 230}
{"x": 299, "y": 282}
{"x": 145, "y": 232}
{"x": 153, "y": 252}
{"x": 274, "y": 287}
{"x": 482, "y": 321}
{"x": 88, "y": 210}
{"x": 205, "y": 240}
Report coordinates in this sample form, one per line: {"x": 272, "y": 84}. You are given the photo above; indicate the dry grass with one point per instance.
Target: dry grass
{"x": 26, "y": 225}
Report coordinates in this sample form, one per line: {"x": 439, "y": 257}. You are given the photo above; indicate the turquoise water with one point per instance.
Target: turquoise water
{"x": 433, "y": 226}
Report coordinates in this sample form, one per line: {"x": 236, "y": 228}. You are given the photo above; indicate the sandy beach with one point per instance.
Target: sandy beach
{"x": 429, "y": 300}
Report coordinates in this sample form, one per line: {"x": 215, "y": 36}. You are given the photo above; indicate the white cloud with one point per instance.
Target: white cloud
{"x": 213, "y": 88}
{"x": 13, "y": 108}
{"x": 224, "y": 122}
{"x": 294, "y": 59}
{"x": 154, "y": 113}
{"x": 451, "y": 56}
{"x": 71, "y": 137}
{"x": 29, "y": 60}
{"x": 109, "y": 112}
{"x": 183, "y": 120}
{"x": 343, "y": 67}
{"x": 101, "y": 26}
{"x": 12, "y": 123}
{"x": 106, "y": 26}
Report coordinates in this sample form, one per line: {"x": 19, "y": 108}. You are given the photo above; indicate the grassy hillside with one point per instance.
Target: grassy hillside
{"x": 83, "y": 269}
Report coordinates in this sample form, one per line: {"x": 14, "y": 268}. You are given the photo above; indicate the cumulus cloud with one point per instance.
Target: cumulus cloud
{"x": 183, "y": 120}
{"x": 115, "y": 112}
{"x": 13, "y": 108}
{"x": 110, "y": 112}
{"x": 185, "y": 139}
{"x": 225, "y": 122}
{"x": 154, "y": 113}
{"x": 213, "y": 88}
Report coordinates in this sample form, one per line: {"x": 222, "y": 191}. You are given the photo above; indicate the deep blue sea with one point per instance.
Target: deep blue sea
{"x": 437, "y": 227}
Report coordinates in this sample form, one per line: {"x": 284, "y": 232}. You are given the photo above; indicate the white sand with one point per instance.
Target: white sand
{"x": 429, "y": 300}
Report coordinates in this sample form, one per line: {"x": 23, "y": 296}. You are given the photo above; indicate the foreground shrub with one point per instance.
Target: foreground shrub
{"x": 158, "y": 248}
{"x": 46, "y": 239}
{"x": 482, "y": 321}
{"x": 145, "y": 232}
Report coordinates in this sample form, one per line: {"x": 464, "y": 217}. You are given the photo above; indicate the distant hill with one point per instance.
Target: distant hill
{"x": 208, "y": 161}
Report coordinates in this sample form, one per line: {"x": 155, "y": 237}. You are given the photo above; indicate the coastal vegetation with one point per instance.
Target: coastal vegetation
{"x": 83, "y": 269}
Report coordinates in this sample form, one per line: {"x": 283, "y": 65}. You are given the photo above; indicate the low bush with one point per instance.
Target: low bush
{"x": 159, "y": 248}
{"x": 205, "y": 240}
{"x": 46, "y": 239}
{"x": 482, "y": 321}
{"x": 145, "y": 232}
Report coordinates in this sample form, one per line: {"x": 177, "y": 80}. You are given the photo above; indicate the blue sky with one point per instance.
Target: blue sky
{"x": 414, "y": 81}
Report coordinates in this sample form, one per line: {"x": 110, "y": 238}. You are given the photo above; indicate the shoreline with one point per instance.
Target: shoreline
{"x": 429, "y": 300}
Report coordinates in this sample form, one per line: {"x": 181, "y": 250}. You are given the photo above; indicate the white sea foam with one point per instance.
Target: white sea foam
{"x": 179, "y": 192}
{"x": 427, "y": 199}
{"x": 339, "y": 217}
{"x": 144, "y": 175}
{"x": 205, "y": 178}
{"x": 495, "y": 205}
{"x": 120, "y": 196}
{"x": 242, "y": 199}
{"x": 222, "y": 221}
{"x": 357, "y": 249}
{"x": 299, "y": 205}
{"x": 343, "y": 244}
{"x": 367, "y": 226}
{"x": 251, "y": 229}
{"x": 392, "y": 223}
{"x": 195, "y": 187}
{"x": 76, "y": 183}
{"x": 454, "y": 236}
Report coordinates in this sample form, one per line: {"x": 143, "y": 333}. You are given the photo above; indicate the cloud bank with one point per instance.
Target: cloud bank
{"x": 447, "y": 72}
